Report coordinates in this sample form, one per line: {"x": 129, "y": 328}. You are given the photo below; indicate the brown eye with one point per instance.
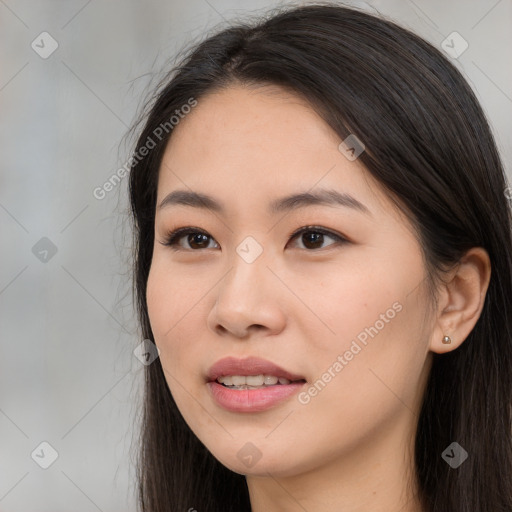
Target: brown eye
{"x": 196, "y": 239}
{"x": 313, "y": 238}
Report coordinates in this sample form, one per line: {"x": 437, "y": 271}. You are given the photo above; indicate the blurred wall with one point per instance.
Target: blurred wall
{"x": 72, "y": 76}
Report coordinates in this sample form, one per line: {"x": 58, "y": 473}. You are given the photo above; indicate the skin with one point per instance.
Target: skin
{"x": 299, "y": 305}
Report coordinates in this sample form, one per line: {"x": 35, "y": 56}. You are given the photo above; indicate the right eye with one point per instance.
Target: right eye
{"x": 196, "y": 239}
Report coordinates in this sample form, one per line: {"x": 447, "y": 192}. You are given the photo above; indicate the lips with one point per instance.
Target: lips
{"x": 249, "y": 366}
{"x": 248, "y": 399}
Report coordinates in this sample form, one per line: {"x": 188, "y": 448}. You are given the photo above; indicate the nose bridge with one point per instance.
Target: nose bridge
{"x": 244, "y": 297}
{"x": 246, "y": 278}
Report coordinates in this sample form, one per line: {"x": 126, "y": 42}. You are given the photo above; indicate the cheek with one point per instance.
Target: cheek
{"x": 176, "y": 310}
{"x": 161, "y": 306}
{"x": 345, "y": 302}
{"x": 373, "y": 319}
{"x": 168, "y": 302}
{"x": 173, "y": 303}
{"x": 377, "y": 380}
{"x": 170, "y": 297}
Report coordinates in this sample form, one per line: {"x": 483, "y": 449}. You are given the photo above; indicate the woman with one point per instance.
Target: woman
{"x": 323, "y": 259}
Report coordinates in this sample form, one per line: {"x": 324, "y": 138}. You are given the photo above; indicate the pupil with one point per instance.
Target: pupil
{"x": 197, "y": 239}
{"x": 313, "y": 238}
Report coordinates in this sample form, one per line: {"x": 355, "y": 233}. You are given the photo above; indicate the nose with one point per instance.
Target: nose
{"x": 248, "y": 299}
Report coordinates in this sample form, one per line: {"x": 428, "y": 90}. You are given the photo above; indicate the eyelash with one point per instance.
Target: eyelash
{"x": 172, "y": 238}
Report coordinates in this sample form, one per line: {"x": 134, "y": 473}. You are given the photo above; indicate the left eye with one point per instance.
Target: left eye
{"x": 312, "y": 237}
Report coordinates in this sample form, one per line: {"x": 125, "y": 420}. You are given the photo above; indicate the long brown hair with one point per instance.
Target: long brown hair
{"x": 430, "y": 146}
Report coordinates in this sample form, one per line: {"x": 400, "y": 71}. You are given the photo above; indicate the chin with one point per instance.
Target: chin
{"x": 250, "y": 462}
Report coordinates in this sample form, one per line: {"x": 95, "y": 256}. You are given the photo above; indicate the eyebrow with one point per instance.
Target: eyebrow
{"x": 322, "y": 197}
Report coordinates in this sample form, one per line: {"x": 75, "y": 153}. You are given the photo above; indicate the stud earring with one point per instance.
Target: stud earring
{"x": 447, "y": 340}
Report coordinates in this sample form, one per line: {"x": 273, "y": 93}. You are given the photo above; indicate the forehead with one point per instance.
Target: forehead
{"x": 262, "y": 142}
{"x": 252, "y": 118}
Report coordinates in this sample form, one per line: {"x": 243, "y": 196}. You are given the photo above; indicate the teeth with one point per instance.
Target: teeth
{"x": 227, "y": 380}
{"x": 238, "y": 380}
{"x": 251, "y": 380}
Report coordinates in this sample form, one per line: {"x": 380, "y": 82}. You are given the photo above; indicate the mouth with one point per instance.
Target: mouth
{"x": 251, "y": 384}
{"x": 251, "y": 371}
{"x": 254, "y": 381}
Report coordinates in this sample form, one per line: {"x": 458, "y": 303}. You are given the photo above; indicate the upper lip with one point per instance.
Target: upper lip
{"x": 248, "y": 366}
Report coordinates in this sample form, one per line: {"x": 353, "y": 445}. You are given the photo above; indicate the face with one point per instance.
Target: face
{"x": 327, "y": 294}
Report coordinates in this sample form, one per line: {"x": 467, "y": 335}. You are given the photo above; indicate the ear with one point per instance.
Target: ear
{"x": 461, "y": 300}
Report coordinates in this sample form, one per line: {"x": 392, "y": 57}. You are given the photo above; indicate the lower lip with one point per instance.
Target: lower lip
{"x": 252, "y": 400}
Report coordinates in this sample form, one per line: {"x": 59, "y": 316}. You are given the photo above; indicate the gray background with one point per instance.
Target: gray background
{"x": 68, "y": 375}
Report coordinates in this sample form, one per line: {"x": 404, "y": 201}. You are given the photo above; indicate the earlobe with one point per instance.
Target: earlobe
{"x": 462, "y": 302}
